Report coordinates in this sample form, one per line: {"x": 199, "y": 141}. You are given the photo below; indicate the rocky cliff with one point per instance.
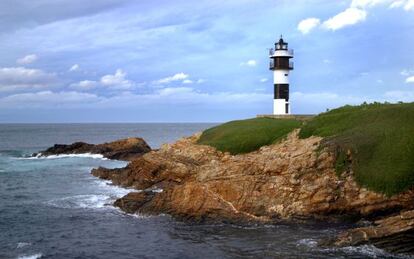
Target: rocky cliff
{"x": 292, "y": 179}
{"x": 124, "y": 149}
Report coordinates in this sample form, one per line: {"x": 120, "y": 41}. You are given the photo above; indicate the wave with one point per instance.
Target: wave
{"x": 88, "y": 201}
{"x": 369, "y": 251}
{"x": 23, "y": 244}
{"x": 35, "y": 256}
{"x": 83, "y": 155}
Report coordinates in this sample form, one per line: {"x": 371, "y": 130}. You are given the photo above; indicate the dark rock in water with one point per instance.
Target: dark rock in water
{"x": 131, "y": 202}
{"x": 394, "y": 234}
{"x": 125, "y": 149}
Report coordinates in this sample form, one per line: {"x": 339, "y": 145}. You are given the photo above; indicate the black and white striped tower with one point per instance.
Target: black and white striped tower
{"x": 280, "y": 65}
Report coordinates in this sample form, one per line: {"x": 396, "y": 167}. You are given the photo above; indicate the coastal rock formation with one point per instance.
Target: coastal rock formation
{"x": 125, "y": 149}
{"x": 395, "y": 233}
{"x": 290, "y": 179}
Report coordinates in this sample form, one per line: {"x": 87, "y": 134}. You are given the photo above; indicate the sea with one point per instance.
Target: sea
{"x": 52, "y": 207}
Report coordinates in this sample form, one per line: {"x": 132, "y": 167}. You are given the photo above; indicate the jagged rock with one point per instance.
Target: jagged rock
{"x": 395, "y": 233}
{"x": 125, "y": 149}
{"x": 285, "y": 180}
{"x": 131, "y": 202}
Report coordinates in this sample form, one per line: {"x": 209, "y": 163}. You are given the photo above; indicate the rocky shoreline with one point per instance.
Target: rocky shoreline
{"x": 293, "y": 179}
{"x": 124, "y": 149}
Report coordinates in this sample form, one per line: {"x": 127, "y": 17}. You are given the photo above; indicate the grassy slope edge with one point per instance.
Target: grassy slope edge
{"x": 244, "y": 136}
{"x": 380, "y": 138}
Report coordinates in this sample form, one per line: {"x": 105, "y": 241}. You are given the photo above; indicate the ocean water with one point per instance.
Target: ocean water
{"x": 53, "y": 208}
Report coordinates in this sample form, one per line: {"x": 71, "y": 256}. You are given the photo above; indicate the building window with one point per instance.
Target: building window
{"x": 286, "y": 74}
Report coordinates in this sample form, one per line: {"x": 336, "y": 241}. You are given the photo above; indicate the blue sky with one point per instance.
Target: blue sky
{"x": 196, "y": 61}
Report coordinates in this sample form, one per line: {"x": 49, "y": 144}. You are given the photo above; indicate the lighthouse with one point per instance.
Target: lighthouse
{"x": 280, "y": 64}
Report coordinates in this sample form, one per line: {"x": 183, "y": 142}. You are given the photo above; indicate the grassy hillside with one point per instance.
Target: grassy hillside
{"x": 381, "y": 138}
{"x": 247, "y": 135}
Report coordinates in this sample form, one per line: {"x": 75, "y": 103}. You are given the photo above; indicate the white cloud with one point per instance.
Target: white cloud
{"x": 249, "y": 63}
{"x": 327, "y": 61}
{"x": 396, "y": 4}
{"x": 409, "y": 79}
{"x": 117, "y": 81}
{"x": 348, "y": 17}
{"x": 19, "y": 78}
{"x": 405, "y": 72}
{"x": 187, "y": 81}
{"x": 85, "y": 85}
{"x": 367, "y": 3}
{"x": 409, "y": 5}
{"x": 47, "y": 99}
{"x": 307, "y": 25}
{"x": 74, "y": 68}
{"x": 165, "y": 96}
{"x": 263, "y": 80}
{"x": 27, "y": 59}
{"x": 176, "y": 77}
{"x": 200, "y": 81}
{"x": 357, "y": 12}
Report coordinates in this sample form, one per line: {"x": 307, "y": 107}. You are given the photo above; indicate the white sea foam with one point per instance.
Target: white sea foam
{"x": 88, "y": 201}
{"x": 23, "y": 244}
{"x": 309, "y": 242}
{"x": 35, "y": 256}
{"x": 84, "y": 155}
{"x": 370, "y": 251}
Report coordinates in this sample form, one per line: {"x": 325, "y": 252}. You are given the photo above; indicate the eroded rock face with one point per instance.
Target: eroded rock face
{"x": 125, "y": 149}
{"x": 285, "y": 180}
{"x": 394, "y": 233}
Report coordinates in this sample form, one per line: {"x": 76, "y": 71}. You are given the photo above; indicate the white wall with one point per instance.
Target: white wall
{"x": 279, "y": 77}
{"x": 279, "y": 107}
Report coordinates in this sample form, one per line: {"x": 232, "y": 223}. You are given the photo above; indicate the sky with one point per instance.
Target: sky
{"x": 197, "y": 61}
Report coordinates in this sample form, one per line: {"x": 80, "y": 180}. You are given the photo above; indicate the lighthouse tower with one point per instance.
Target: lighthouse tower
{"x": 280, "y": 65}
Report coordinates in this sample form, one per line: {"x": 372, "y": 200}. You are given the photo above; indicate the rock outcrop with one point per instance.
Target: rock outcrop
{"x": 125, "y": 149}
{"x": 394, "y": 233}
{"x": 291, "y": 179}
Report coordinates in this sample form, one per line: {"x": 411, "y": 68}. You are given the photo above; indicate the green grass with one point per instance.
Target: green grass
{"x": 244, "y": 136}
{"x": 381, "y": 139}
{"x": 379, "y": 136}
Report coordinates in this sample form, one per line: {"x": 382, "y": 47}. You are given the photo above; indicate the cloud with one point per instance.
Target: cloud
{"x": 19, "y": 78}
{"x": 84, "y": 85}
{"x": 117, "y": 81}
{"x": 27, "y": 59}
{"x": 176, "y": 77}
{"x": 367, "y": 3}
{"x": 74, "y": 68}
{"x": 409, "y": 79}
{"x": 307, "y": 25}
{"x": 164, "y": 96}
{"x": 201, "y": 81}
{"x": 47, "y": 99}
{"x": 249, "y": 63}
{"x": 263, "y": 80}
{"x": 187, "y": 81}
{"x": 357, "y": 12}
{"x": 346, "y": 18}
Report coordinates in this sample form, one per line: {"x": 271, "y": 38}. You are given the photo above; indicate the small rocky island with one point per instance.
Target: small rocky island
{"x": 300, "y": 175}
{"x": 124, "y": 149}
